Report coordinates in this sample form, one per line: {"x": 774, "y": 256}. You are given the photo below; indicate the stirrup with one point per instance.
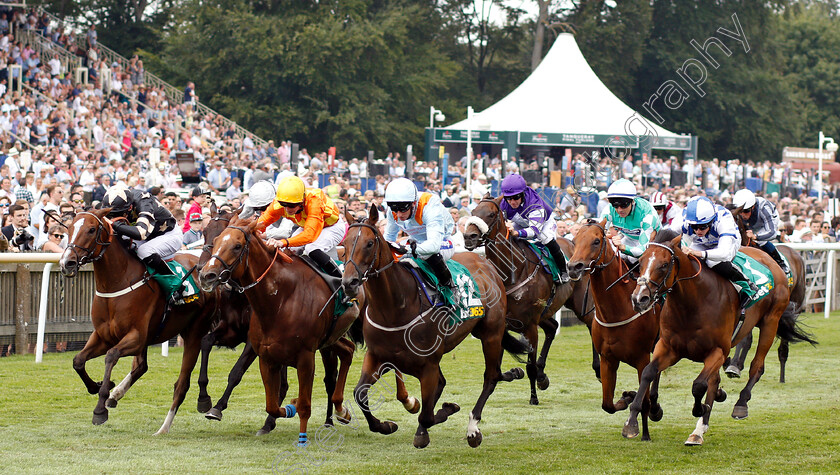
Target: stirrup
{"x": 564, "y": 278}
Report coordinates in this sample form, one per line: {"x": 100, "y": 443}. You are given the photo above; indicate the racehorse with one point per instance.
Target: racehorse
{"x": 533, "y": 297}
{"x": 797, "y": 301}
{"x": 619, "y": 333}
{"x": 230, "y": 329}
{"x": 404, "y": 331}
{"x": 128, "y": 313}
{"x": 699, "y": 320}
{"x": 292, "y": 315}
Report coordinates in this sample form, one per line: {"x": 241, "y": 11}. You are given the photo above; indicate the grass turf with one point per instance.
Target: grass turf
{"x": 793, "y": 427}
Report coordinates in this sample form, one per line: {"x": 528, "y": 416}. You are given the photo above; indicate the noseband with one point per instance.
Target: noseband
{"x": 103, "y": 245}
{"x": 483, "y": 238}
{"x": 592, "y": 267}
{"x": 372, "y": 270}
{"x": 227, "y": 269}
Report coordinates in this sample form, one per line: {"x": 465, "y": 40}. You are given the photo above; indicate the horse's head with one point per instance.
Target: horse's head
{"x": 592, "y": 248}
{"x": 90, "y": 236}
{"x": 365, "y": 252}
{"x": 218, "y": 223}
{"x": 229, "y": 253}
{"x": 485, "y": 223}
{"x": 656, "y": 266}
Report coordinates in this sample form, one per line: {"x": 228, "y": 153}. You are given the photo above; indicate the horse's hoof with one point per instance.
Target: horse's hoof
{"x": 204, "y": 404}
{"x": 416, "y": 407}
{"x": 451, "y": 407}
{"x": 630, "y": 430}
{"x": 213, "y": 414}
{"x": 99, "y": 419}
{"x": 475, "y": 439}
{"x": 388, "y": 427}
{"x": 720, "y": 396}
{"x": 733, "y": 372}
{"x": 421, "y": 441}
{"x": 543, "y": 383}
{"x": 262, "y": 431}
{"x": 343, "y": 419}
{"x": 517, "y": 373}
{"x": 535, "y": 401}
{"x": 693, "y": 440}
{"x": 111, "y": 402}
{"x": 656, "y": 413}
{"x": 740, "y": 412}
{"x": 699, "y": 409}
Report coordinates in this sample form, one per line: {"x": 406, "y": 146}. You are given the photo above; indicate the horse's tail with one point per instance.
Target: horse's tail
{"x": 355, "y": 333}
{"x": 516, "y": 346}
{"x": 790, "y": 329}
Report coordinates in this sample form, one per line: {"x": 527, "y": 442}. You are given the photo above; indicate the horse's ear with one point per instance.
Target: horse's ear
{"x": 102, "y": 212}
{"x": 487, "y": 196}
{"x": 499, "y": 200}
{"x": 349, "y": 217}
{"x": 675, "y": 243}
{"x": 373, "y": 217}
{"x": 652, "y": 235}
{"x": 213, "y": 210}
{"x": 604, "y": 223}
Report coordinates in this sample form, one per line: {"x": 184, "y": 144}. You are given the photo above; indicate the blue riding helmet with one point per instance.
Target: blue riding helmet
{"x": 700, "y": 210}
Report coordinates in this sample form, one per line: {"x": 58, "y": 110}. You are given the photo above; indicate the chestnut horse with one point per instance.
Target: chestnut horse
{"x": 128, "y": 313}
{"x": 619, "y": 333}
{"x": 291, "y": 314}
{"x": 698, "y": 322}
{"x": 533, "y": 297}
{"x": 230, "y": 329}
{"x": 797, "y": 302}
{"x": 404, "y": 330}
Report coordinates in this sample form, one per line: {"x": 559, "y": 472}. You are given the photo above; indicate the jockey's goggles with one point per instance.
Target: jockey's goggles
{"x": 515, "y": 197}
{"x": 400, "y": 206}
{"x": 621, "y": 202}
{"x": 260, "y": 209}
{"x": 658, "y": 207}
{"x": 285, "y": 205}
{"x": 701, "y": 227}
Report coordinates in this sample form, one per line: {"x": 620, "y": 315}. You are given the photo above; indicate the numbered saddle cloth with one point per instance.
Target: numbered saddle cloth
{"x": 789, "y": 274}
{"x": 546, "y": 260}
{"x": 170, "y": 283}
{"x": 757, "y": 273}
{"x": 469, "y": 305}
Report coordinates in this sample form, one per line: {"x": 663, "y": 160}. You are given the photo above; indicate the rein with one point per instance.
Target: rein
{"x": 227, "y": 269}
{"x": 372, "y": 270}
{"x": 103, "y": 245}
{"x": 658, "y": 293}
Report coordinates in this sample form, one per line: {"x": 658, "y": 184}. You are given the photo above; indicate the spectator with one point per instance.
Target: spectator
{"x": 54, "y": 241}
{"x": 195, "y": 232}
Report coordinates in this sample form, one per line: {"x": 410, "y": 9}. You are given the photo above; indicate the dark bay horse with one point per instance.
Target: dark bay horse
{"x": 533, "y": 297}
{"x": 230, "y": 329}
{"x": 797, "y": 301}
{"x": 127, "y": 313}
{"x": 404, "y": 331}
{"x": 620, "y": 334}
{"x": 292, "y": 315}
{"x": 698, "y": 319}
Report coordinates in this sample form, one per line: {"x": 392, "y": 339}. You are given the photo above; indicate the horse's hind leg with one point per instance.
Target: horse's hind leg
{"x": 129, "y": 344}
{"x": 410, "y": 403}
{"x": 766, "y": 335}
{"x": 94, "y": 348}
{"x": 784, "y": 349}
{"x": 655, "y": 408}
{"x": 531, "y": 367}
{"x": 192, "y": 347}
{"x": 370, "y": 374}
{"x": 736, "y": 364}
{"x": 492, "y": 373}
{"x": 706, "y": 385}
{"x": 138, "y": 369}
{"x": 330, "y": 360}
{"x": 204, "y": 400}
{"x": 234, "y": 378}
{"x": 549, "y": 326}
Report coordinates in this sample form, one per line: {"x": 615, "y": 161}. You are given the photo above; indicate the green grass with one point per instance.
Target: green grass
{"x": 45, "y": 426}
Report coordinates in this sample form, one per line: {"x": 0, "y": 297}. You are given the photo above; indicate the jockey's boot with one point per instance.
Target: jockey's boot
{"x": 161, "y": 268}
{"x": 774, "y": 253}
{"x": 323, "y": 260}
{"x": 560, "y": 259}
{"x": 729, "y": 271}
{"x": 444, "y": 277}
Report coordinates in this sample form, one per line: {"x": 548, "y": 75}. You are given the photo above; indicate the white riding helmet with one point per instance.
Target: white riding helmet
{"x": 744, "y": 199}
{"x": 261, "y": 194}
{"x": 622, "y": 189}
{"x": 699, "y": 210}
{"x": 401, "y": 190}
{"x": 658, "y": 199}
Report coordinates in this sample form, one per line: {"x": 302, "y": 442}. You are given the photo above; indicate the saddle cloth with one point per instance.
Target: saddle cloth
{"x": 469, "y": 305}
{"x": 546, "y": 260}
{"x": 755, "y": 272}
{"x": 170, "y": 283}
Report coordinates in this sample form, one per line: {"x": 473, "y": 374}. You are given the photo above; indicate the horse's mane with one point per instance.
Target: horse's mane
{"x": 665, "y": 235}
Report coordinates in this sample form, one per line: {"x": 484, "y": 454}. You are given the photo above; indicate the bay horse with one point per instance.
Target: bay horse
{"x": 291, "y": 314}
{"x": 404, "y": 330}
{"x": 128, "y": 313}
{"x": 698, "y": 322}
{"x": 620, "y": 334}
{"x": 735, "y": 364}
{"x": 533, "y": 297}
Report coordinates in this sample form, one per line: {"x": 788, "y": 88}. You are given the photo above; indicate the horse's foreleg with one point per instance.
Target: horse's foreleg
{"x": 204, "y": 400}
{"x": 192, "y": 347}
{"x": 549, "y": 326}
{"x": 370, "y": 374}
{"x": 766, "y": 336}
{"x": 492, "y": 348}
{"x": 596, "y": 362}
{"x": 283, "y": 381}
{"x": 306, "y": 374}
{"x": 708, "y": 384}
{"x": 138, "y": 368}
{"x": 532, "y": 336}
{"x": 736, "y": 364}
{"x": 129, "y": 344}
{"x": 609, "y": 367}
{"x": 662, "y": 359}
{"x": 271, "y": 383}
{"x": 344, "y": 349}
{"x": 234, "y": 378}
{"x": 655, "y": 408}
{"x": 432, "y": 383}
{"x": 94, "y": 348}
{"x": 330, "y": 360}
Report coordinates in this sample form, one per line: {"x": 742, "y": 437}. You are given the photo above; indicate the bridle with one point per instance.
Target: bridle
{"x": 227, "y": 269}
{"x": 103, "y": 245}
{"x": 208, "y": 248}
{"x": 373, "y": 269}
{"x": 592, "y": 266}
{"x": 482, "y": 239}
{"x": 658, "y": 293}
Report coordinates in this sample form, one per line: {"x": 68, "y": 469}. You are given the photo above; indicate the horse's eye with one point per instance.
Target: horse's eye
{"x": 596, "y": 242}
{"x": 491, "y": 216}
{"x": 91, "y": 230}
{"x": 237, "y": 247}
{"x": 663, "y": 267}
{"x": 369, "y": 244}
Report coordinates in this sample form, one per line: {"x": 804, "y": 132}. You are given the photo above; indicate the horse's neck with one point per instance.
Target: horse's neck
{"x": 690, "y": 291}
{"x": 117, "y": 269}
{"x": 616, "y": 296}
{"x": 275, "y": 284}
{"x": 510, "y": 259}
{"x": 390, "y": 293}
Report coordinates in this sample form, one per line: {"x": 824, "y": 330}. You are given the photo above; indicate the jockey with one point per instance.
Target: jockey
{"x": 632, "y": 216}
{"x": 532, "y": 218}
{"x": 713, "y": 236}
{"x": 260, "y": 196}
{"x": 762, "y": 223}
{"x": 667, "y": 210}
{"x": 428, "y": 224}
{"x": 322, "y": 227}
{"x": 146, "y": 221}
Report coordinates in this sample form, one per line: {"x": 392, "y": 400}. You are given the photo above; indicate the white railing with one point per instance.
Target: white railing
{"x": 823, "y": 268}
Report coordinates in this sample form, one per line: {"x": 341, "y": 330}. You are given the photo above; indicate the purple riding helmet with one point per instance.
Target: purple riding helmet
{"x": 513, "y": 185}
